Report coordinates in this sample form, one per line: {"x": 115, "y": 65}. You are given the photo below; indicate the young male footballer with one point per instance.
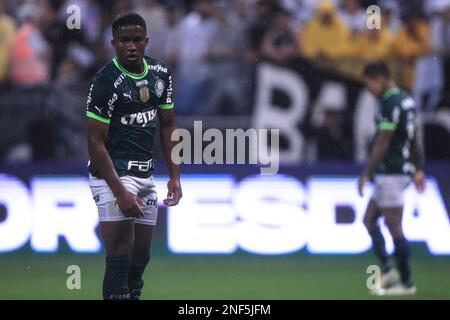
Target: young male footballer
{"x": 124, "y": 100}
{"x": 396, "y": 158}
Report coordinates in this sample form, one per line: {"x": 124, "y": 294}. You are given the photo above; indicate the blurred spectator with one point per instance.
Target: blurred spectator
{"x": 90, "y": 12}
{"x": 100, "y": 48}
{"x": 155, "y": 17}
{"x": 73, "y": 68}
{"x": 258, "y": 28}
{"x": 411, "y": 42}
{"x": 118, "y": 7}
{"x": 59, "y": 37}
{"x": 325, "y": 37}
{"x": 30, "y": 55}
{"x": 432, "y": 75}
{"x": 326, "y": 125}
{"x": 353, "y": 15}
{"x": 67, "y": 44}
{"x": 390, "y": 15}
{"x": 7, "y": 32}
{"x": 174, "y": 15}
{"x": 375, "y": 44}
{"x": 226, "y": 55}
{"x": 190, "y": 48}
{"x": 279, "y": 43}
{"x": 301, "y": 10}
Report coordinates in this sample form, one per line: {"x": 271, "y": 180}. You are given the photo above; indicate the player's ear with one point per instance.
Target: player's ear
{"x": 113, "y": 42}
{"x": 146, "y": 41}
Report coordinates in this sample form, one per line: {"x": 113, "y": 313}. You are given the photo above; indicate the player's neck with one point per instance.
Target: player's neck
{"x": 138, "y": 69}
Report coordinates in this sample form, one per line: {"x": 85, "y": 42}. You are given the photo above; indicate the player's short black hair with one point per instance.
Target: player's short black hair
{"x": 128, "y": 19}
{"x": 375, "y": 69}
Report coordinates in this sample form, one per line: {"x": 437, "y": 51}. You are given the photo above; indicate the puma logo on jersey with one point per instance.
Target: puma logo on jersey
{"x": 128, "y": 95}
{"x": 140, "y": 118}
{"x": 98, "y": 109}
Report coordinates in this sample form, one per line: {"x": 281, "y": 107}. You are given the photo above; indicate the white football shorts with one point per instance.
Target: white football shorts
{"x": 107, "y": 207}
{"x": 389, "y": 190}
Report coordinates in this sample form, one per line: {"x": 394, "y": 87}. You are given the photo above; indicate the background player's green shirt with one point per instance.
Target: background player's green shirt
{"x": 129, "y": 103}
{"x": 397, "y": 113}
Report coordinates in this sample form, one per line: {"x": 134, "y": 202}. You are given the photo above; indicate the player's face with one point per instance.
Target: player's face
{"x": 130, "y": 43}
{"x": 375, "y": 85}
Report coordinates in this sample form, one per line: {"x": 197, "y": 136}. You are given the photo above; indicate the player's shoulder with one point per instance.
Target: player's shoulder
{"x": 108, "y": 74}
{"x": 395, "y": 97}
{"x": 158, "y": 66}
{"x": 402, "y": 99}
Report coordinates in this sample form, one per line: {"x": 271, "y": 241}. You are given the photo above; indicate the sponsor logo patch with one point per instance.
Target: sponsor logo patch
{"x": 159, "y": 88}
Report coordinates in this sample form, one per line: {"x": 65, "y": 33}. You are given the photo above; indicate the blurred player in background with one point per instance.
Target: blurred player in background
{"x": 125, "y": 98}
{"x": 396, "y": 156}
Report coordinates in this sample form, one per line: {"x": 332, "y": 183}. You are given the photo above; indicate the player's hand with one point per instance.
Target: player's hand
{"x": 419, "y": 181}
{"x": 130, "y": 205}
{"x": 174, "y": 193}
{"x": 363, "y": 178}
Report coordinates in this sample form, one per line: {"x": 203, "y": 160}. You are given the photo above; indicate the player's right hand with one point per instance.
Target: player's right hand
{"x": 419, "y": 181}
{"x": 130, "y": 205}
{"x": 363, "y": 178}
{"x": 174, "y": 193}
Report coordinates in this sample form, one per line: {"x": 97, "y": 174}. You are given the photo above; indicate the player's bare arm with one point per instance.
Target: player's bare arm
{"x": 418, "y": 160}
{"x": 128, "y": 203}
{"x": 167, "y": 126}
{"x": 380, "y": 148}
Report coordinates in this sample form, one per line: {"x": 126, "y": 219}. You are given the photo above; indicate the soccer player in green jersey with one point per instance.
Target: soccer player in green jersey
{"x": 125, "y": 99}
{"x": 396, "y": 158}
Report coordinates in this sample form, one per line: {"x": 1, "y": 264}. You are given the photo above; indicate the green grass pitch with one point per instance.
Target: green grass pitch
{"x": 241, "y": 276}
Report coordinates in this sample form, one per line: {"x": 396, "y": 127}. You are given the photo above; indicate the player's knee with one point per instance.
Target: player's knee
{"x": 142, "y": 258}
{"x": 120, "y": 248}
{"x": 141, "y": 255}
{"x": 397, "y": 233}
{"x": 395, "y": 228}
{"x": 145, "y": 258}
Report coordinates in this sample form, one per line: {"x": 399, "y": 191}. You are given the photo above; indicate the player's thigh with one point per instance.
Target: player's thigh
{"x": 144, "y": 226}
{"x": 371, "y": 215}
{"x": 393, "y": 218}
{"x": 142, "y": 243}
{"x": 117, "y": 236}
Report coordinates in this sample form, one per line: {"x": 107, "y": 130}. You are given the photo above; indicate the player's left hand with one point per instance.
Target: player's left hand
{"x": 363, "y": 178}
{"x": 174, "y": 193}
{"x": 419, "y": 181}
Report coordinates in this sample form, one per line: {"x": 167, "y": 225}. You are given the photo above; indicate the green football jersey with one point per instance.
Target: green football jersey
{"x": 397, "y": 113}
{"x": 129, "y": 104}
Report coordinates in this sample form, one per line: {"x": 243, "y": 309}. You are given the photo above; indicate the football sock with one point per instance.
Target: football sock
{"x": 115, "y": 286}
{"x": 402, "y": 256}
{"x": 379, "y": 247}
{"x": 135, "y": 281}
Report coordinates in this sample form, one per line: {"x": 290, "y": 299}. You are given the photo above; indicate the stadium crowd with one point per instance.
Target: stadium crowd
{"x": 212, "y": 47}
